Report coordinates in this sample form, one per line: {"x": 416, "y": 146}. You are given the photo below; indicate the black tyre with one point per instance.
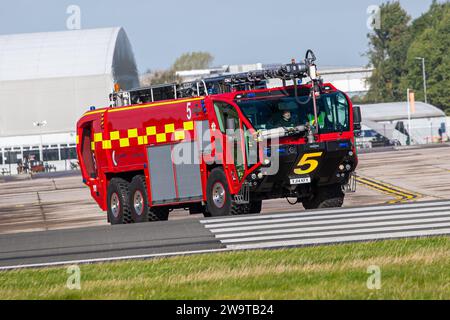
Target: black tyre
{"x": 325, "y": 197}
{"x": 138, "y": 200}
{"x": 219, "y": 199}
{"x": 119, "y": 211}
{"x": 159, "y": 214}
{"x": 139, "y": 205}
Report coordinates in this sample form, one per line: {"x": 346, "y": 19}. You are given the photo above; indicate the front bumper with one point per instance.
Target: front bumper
{"x": 325, "y": 156}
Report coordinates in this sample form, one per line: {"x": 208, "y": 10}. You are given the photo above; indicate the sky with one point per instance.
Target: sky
{"x": 233, "y": 31}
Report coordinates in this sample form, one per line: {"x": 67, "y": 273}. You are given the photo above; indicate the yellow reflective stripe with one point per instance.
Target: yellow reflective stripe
{"x": 125, "y": 142}
{"x": 114, "y": 135}
{"x": 98, "y": 137}
{"x": 106, "y": 144}
{"x": 150, "y": 105}
{"x": 169, "y": 128}
{"x": 132, "y": 133}
{"x": 151, "y": 131}
{"x": 188, "y": 125}
{"x": 94, "y": 112}
{"x": 179, "y": 135}
{"x": 161, "y": 137}
{"x": 142, "y": 140}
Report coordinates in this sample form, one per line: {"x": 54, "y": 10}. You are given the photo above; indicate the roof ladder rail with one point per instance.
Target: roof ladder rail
{"x": 221, "y": 84}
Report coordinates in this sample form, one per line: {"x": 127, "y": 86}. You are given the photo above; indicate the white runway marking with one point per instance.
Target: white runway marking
{"x": 111, "y": 259}
{"x": 332, "y": 225}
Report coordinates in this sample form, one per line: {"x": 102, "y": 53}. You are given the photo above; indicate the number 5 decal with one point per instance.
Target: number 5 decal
{"x": 188, "y": 111}
{"x": 307, "y": 161}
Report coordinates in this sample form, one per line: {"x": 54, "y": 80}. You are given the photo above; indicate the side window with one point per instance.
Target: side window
{"x": 342, "y": 110}
{"x": 225, "y": 111}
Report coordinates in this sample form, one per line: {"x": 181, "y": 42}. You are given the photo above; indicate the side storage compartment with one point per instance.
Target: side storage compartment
{"x": 174, "y": 182}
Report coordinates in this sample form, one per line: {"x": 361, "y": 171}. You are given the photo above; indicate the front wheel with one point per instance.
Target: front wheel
{"x": 325, "y": 197}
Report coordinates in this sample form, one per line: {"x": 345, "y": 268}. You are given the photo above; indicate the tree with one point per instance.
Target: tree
{"x": 432, "y": 43}
{"x": 193, "y": 61}
{"x": 388, "y": 47}
{"x": 395, "y": 47}
{"x": 187, "y": 61}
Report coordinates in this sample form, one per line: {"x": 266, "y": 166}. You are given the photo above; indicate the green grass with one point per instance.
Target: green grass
{"x": 410, "y": 269}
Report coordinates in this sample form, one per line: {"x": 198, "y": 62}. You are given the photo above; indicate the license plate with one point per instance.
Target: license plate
{"x": 301, "y": 180}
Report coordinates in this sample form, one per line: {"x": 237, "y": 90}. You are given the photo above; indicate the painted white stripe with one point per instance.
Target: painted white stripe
{"x": 346, "y": 218}
{"x": 379, "y": 236}
{"x": 332, "y": 227}
{"x": 111, "y": 259}
{"x": 336, "y": 233}
{"x": 325, "y": 212}
{"x": 341, "y": 222}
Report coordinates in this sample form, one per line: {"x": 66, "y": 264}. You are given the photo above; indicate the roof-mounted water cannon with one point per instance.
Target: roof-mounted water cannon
{"x": 310, "y": 57}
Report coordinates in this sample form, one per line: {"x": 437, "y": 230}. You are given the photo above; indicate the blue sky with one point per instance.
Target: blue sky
{"x": 234, "y": 31}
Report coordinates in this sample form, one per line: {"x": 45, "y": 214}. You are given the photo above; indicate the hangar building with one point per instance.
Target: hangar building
{"x": 48, "y": 80}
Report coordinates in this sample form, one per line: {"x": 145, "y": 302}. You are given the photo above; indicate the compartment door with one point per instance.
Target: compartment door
{"x": 174, "y": 181}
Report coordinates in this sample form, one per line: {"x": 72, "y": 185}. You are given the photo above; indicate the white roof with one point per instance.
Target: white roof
{"x": 398, "y": 111}
{"x": 58, "y": 54}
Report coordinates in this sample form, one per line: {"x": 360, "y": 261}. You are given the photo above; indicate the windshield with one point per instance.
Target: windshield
{"x": 290, "y": 111}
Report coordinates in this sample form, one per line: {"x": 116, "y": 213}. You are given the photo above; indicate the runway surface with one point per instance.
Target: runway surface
{"x": 63, "y": 202}
{"x": 148, "y": 240}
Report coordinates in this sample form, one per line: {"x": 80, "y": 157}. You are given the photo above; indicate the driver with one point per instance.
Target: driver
{"x": 285, "y": 119}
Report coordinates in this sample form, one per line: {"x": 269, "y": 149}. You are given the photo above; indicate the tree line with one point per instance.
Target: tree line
{"x": 395, "y": 49}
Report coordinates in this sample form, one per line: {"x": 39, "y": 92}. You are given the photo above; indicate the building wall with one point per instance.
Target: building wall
{"x": 57, "y": 149}
{"x": 352, "y": 81}
{"x": 59, "y": 101}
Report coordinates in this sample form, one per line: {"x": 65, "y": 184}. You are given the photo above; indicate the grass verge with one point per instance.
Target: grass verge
{"x": 410, "y": 269}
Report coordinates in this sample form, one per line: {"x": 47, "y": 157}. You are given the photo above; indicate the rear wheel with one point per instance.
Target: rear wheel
{"x": 139, "y": 205}
{"x": 139, "y": 200}
{"x": 220, "y": 202}
{"x": 326, "y": 197}
{"x": 159, "y": 214}
{"x": 119, "y": 210}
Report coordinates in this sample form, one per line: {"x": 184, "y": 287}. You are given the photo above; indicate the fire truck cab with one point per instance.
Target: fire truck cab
{"x": 220, "y": 146}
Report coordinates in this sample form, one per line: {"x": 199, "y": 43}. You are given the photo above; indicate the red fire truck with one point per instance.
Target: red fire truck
{"x": 221, "y": 145}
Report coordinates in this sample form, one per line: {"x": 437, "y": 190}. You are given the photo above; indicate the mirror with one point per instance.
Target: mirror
{"x": 357, "y": 118}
